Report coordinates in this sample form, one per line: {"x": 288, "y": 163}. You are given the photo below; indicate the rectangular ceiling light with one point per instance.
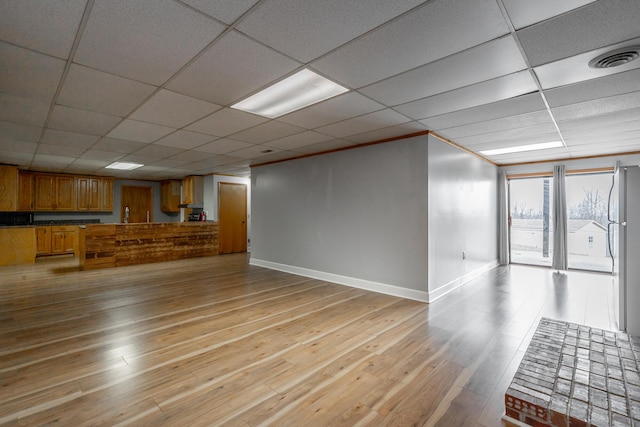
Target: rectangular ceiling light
{"x": 297, "y": 91}
{"x": 124, "y": 166}
{"x": 521, "y": 148}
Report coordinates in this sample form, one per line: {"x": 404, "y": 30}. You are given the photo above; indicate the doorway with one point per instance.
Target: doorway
{"x": 139, "y": 200}
{"x": 232, "y": 217}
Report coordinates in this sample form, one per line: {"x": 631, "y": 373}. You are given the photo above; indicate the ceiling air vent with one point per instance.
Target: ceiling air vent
{"x": 616, "y": 57}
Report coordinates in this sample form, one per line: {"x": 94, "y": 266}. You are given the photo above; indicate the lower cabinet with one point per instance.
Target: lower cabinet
{"x": 56, "y": 239}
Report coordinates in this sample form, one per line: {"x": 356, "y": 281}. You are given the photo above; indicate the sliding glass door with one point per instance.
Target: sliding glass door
{"x": 531, "y": 231}
{"x": 531, "y": 221}
{"x": 587, "y": 201}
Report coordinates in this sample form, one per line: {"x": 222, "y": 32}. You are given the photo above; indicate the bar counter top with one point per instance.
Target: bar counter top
{"x": 115, "y": 245}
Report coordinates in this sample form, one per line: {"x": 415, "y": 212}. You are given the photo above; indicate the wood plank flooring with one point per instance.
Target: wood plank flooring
{"x": 215, "y": 341}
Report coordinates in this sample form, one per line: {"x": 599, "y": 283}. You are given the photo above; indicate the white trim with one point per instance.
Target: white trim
{"x": 456, "y": 283}
{"x": 382, "y": 288}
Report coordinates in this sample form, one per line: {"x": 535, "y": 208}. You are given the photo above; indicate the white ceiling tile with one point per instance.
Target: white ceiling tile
{"x": 298, "y": 140}
{"x": 495, "y": 110}
{"x": 44, "y": 26}
{"x": 471, "y": 96}
{"x": 603, "y": 87}
{"x": 247, "y": 67}
{"x": 306, "y": 30}
{"x": 366, "y": 123}
{"x": 618, "y": 147}
{"x": 222, "y": 146}
{"x": 88, "y": 89}
{"x": 81, "y": 121}
{"x": 18, "y": 131}
{"x": 192, "y": 156}
{"x": 173, "y": 109}
{"x": 22, "y": 160}
{"x": 610, "y": 120}
{"x": 547, "y": 129}
{"x": 133, "y": 130}
{"x": 600, "y": 131}
{"x": 504, "y": 123}
{"x": 576, "y": 68}
{"x": 23, "y": 110}
{"x": 185, "y": 139}
{"x": 29, "y": 74}
{"x": 387, "y": 133}
{"x": 255, "y": 151}
{"x": 613, "y": 137}
{"x": 118, "y": 145}
{"x": 145, "y": 40}
{"x": 597, "y": 107}
{"x": 104, "y": 156}
{"x": 60, "y": 150}
{"x": 226, "y": 11}
{"x": 170, "y": 163}
{"x": 273, "y": 157}
{"x": 60, "y": 137}
{"x": 525, "y": 12}
{"x": 532, "y": 156}
{"x": 601, "y": 23}
{"x": 512, "y": 142}
{"x": 52, "y": 160}
{"x": 85, "y": 161}
{"x": 351, "y": 104}
{"x": 225, "y": 122}
{"x": 490, "y": 60}
{"x": 266, "y": 132}
{"x": 154, "y": 151}
{"x": 16, "y": 146}
{"x": 436, "y": 30}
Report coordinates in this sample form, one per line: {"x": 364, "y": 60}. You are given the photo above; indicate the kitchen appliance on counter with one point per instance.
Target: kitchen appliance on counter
{"x": 197, "y": 216}
{"x": 16, "y": 218}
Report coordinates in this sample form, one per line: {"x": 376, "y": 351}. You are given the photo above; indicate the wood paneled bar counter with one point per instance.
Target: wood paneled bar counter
{"x": 115, "y": 245}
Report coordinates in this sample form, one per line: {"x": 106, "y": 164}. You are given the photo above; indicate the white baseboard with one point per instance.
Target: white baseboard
{"x": 383, "y": 288}
{"x": 456, "y": 283}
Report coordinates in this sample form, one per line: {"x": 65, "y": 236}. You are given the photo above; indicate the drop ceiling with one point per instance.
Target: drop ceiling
{"x": 86, "y": 83}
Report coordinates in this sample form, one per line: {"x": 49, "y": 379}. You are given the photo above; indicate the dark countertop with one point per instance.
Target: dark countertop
{"x": 67, "y": 222}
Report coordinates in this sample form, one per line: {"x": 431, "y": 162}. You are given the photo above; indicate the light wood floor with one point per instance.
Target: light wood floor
{"x": 215, "y": 341}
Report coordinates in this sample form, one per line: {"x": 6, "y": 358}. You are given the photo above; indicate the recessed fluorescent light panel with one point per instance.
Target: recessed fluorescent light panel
{"x": 521, "y": 148}
{"x": 297, "y": 91}
{"x": 124, "y": 166}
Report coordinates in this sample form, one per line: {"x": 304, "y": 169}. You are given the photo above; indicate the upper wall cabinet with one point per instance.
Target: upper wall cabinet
{"x": 107, "y": 194}
{"x": 170, "y": 195}
{"x": 192, "y": 190}
{"x": 25, "y": 191}
{"x": 55, "y": 193}
{"x": 8, "y": 188}
{"x": 88, "y": 194}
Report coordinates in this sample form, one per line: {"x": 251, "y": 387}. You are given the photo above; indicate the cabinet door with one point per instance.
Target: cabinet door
{"x": 8, "y": 188}
{"x": 88, "y": 194}
{"x": 187, "y": 190}
{"x": 107, "y": 194}
{"x": 170, "y": 196}
{"x": 43, "y": 240}
{"x": 25, "y": 191}
{"x": 65, "y": 193}
{"x": 45, "y": 192}
{"x": 63, "y": 239}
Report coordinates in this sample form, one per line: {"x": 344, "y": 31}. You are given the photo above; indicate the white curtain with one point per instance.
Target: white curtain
{"x": 503, "y": 219}
{"x": 560, "y": 251}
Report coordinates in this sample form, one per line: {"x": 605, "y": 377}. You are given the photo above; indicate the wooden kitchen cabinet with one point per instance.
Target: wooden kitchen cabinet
{"x": 55, "y": 193}
{"x": 43, "y": 240}
{"x": 25, "y": 191}
{"x": 8, "y": 188}
{"x": 192, "y": 190}
{"x": 170, "y": 195}
{"x": 56, "y": 239}
{"x": 107, "y": 194}
{"x": 88, "y": 194}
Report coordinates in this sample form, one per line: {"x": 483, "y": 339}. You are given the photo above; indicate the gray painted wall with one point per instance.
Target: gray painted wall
{"x": 463, "y": 215}
{"x": 398, "y": 214}
{"x": 357, "y": 213}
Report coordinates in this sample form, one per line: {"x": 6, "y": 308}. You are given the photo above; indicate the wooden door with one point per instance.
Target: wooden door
{"x": 66, "y": 196}
{"x": 140, "y": 202}
{"x": 25, "y": 191}
{"x": 232, "y": 217}
{"x": 45, "y": 192}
